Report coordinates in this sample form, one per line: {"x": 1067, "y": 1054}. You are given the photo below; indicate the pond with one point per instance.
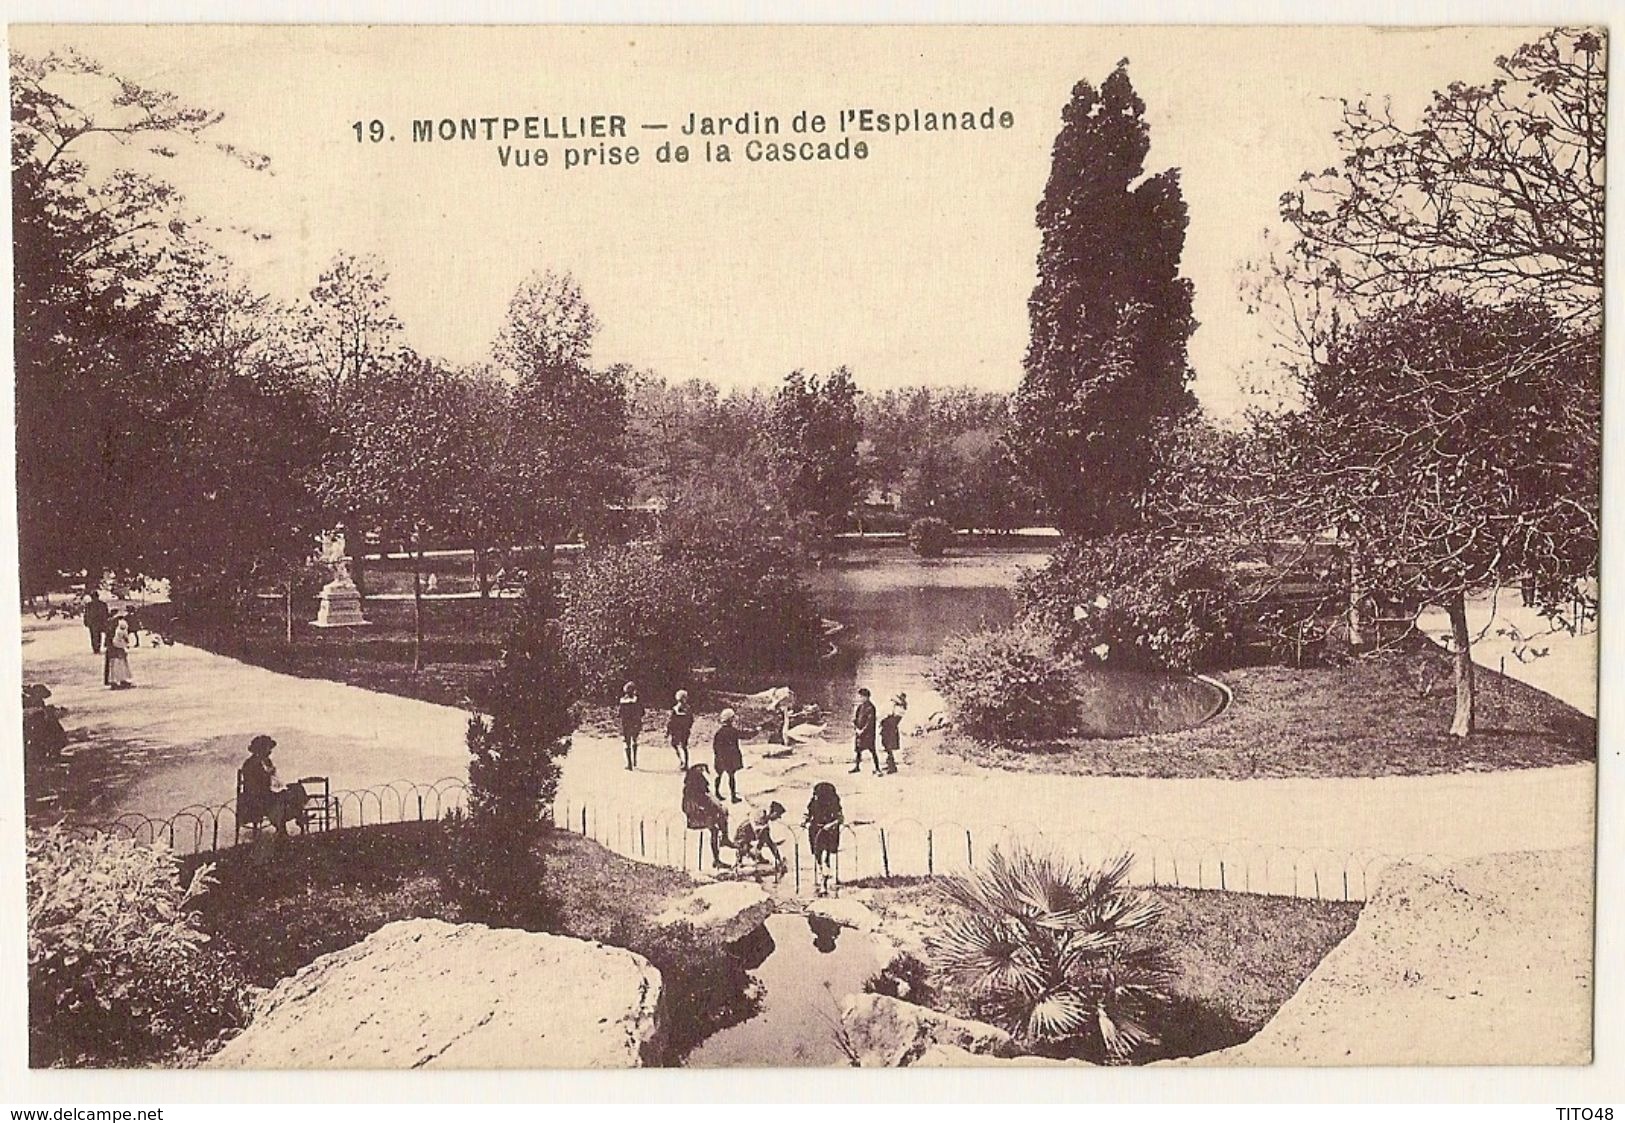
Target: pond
{"x": 897, "y": 610}
{"x": 805, "y": 967}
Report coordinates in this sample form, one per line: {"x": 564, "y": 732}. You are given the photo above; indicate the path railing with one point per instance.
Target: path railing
{"x": 905, "y": 847}
{"x": 203, "y": 827}
{"x": 912, "y": 848}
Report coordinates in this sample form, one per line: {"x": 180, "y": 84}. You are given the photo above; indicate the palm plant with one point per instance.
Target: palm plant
{"x": 1057, "y": 954}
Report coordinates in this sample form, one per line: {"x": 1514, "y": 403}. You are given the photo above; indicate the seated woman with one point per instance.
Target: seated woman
{"x": 704, "y": 812}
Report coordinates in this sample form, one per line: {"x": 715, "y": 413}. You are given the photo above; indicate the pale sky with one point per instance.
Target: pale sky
{"x": 912, "y": 266}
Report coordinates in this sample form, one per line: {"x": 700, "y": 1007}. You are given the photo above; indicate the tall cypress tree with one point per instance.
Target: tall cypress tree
{"x": 513, "y": 770}
{"x": 1110, "y": 316}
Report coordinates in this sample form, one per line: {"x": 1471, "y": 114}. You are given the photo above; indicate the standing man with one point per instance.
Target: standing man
{"x": 863, "y": 736}
{"x": 96, "y": 620}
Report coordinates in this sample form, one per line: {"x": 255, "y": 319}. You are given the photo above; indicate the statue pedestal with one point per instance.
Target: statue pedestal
{"x": 340, "y": 607}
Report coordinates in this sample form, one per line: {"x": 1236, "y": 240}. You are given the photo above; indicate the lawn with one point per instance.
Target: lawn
{"x": 1236, "y": 957}
{"x": 462, "y": 646}
{"x": 1384, "y": 715}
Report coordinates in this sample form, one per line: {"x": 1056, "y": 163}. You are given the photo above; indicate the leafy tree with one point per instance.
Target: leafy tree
{"x": 488, "y": 517}
{"x": 1495, "y": 192}
{"x": 1110, "y": 316}
{"x": 347, "y": 330}
{"x": 1462, "y": 443}
{"x": 816, "y": 431}
{"x": 969, "y": 481}
{"x": 515, "y": 750}
{"x": 564, "y": 460}
{"x": 683, "y": 433}
{"x": 244, "y": 514}
{"x": 102, "y": 367}
{"x": 757, "y": 612}
{"x": 902, "y": 427}
{"x": 549, "y": 325}
{"x": 1138, "y": 600}
{"x": 407, "y": 461}
{"x": 343, "y": 334}
{"x": 633, "y": 614}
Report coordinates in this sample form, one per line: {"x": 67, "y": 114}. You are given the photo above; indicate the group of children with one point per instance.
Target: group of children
{"x": 703, "y": 805}
{"x": 753, "y": 842}
{"x": 725, "y": 743}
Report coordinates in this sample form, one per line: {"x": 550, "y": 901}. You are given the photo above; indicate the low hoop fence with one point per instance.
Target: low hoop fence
{"x": 205, "y": 827}
{"x": 911, "y": 848}
{"x": 899, "y": 848}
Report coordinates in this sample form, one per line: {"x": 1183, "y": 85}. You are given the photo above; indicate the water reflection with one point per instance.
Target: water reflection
{"x": 807, "y": 967}
{"x": 824, "y": 933}
{"x": 898, "y": 611}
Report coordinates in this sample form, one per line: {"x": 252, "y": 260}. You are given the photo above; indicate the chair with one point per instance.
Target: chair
{"x": 321, "y": 809}
{"x": 250, "y": 813}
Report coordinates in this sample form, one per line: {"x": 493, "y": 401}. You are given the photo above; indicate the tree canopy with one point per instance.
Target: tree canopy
{"x": 1110, "y": 315}
{"x": 1494, "y": 192}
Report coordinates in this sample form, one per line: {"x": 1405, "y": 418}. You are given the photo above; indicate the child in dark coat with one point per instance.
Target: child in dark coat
{"x": 631, "y": 723}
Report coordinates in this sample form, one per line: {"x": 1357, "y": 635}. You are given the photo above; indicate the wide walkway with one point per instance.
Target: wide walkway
{"x": 177, "y": 739}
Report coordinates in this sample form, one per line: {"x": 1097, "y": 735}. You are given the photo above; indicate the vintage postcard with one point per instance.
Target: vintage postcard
{"x": 597, "y": 547}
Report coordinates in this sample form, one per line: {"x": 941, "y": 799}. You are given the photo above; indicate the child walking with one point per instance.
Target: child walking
{"x": 679, "y": 725}
{"x": 631, "y": 723}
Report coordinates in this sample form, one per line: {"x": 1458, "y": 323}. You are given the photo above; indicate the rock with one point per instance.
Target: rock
{"x": 723, "y": 910}
{"x": 427, "y": 994}
{"x": 848, "y": 914}
{"x": 1484, "y": 962}
{"x": 952, "y": 1056}
{"x": 884, "y": 1032}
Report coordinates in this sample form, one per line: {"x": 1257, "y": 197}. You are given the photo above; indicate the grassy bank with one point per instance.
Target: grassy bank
{"x": 1385, "y": 715}
{"x": 1235, "y": 957}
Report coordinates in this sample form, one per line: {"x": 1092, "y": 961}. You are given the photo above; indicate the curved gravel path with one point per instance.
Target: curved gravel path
{"x": 178, "y": 737}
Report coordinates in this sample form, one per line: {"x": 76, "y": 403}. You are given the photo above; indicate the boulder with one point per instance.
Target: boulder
{"x": 427, "y": 994}
{"x": 848, "y": 914}
{"x": 722, "y": 910}
{"x": 885, "y": 1032}
{"x": 1485, "y": 961}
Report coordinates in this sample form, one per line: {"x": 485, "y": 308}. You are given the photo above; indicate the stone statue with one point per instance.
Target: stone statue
{"x": 340, "y": 600}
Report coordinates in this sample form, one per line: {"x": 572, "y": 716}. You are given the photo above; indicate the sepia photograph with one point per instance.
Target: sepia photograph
{"x": 607, "y": 547}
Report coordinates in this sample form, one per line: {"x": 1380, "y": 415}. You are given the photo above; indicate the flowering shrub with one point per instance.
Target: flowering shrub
{"x": 1007, "y": 684}
{"x": 1138, "y": 602}
{"x": 930, "y": 537}
{"x": 115, "y": 964}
